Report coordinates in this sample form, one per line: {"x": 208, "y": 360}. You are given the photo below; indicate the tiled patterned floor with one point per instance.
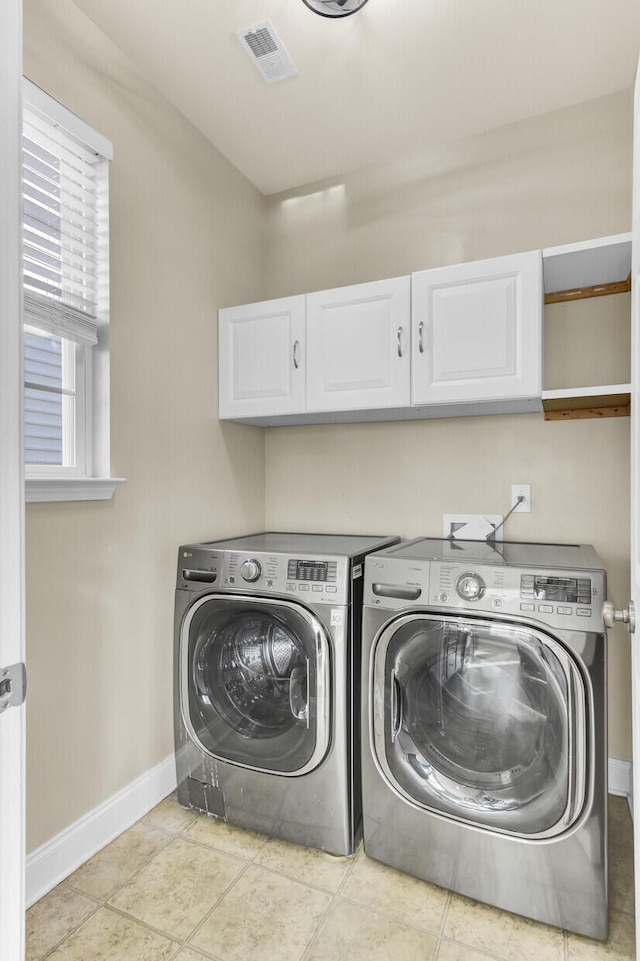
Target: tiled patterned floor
{"x": 178, "y": 886}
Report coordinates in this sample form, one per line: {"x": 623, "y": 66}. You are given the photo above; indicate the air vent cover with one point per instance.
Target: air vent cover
{"x": 267, "y": 51}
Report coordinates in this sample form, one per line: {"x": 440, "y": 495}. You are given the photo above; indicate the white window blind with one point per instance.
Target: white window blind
{"x": 61, "y": 231}
{"x": 65, "y": 238}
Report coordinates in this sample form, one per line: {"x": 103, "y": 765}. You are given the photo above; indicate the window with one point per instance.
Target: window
{"x": 66, "y": 281}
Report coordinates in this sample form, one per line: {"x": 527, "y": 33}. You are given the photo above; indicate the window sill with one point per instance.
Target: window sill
{"x": 40, "y": 490}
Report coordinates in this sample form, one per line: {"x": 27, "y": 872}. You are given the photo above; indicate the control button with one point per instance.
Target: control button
{"x": 564, "y": 610}
{"x": 545, "y": 608}
{"x": 498, "y": 602}
{"x": 443, "y": 597}
{"x": 317, "y": 587}
{"x": 470, "y": 586}
{"x": 291, "y": 587}
{"x": 269, "y": 583}
{"x": 583, "y": 611}
{"x": 332, "y": 590}
{"x": 304, "y": 587}
{"x": 231, "y": 579}
{"x": 251, "y": 569}
{"x": 527, "y": 607}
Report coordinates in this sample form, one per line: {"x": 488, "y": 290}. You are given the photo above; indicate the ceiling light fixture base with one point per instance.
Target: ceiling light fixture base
{"x": 334, "y": 8}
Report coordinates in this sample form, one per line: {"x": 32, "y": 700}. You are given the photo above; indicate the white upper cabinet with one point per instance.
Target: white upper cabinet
{"x": 358, "y": 346}
{"x": 262, "y": 359}
{"x": 476, "y": 334}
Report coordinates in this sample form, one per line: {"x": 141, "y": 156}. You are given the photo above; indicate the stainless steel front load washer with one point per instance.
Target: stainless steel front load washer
{"x": 484, "y": 722}
{"x": 267, "y": 681}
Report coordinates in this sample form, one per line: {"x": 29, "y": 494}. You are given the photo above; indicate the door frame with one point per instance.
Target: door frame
{"x": 635, "y": 496}
{"x": 12, "y": 725}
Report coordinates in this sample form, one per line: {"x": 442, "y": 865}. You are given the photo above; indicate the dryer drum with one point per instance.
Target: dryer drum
{"x": 481, "y": 721}
{"x": 248, "y": 667}
{"x": 491, "y": 721}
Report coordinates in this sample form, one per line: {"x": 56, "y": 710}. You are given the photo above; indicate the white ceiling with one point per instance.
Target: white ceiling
{"x": 397, "y": 77}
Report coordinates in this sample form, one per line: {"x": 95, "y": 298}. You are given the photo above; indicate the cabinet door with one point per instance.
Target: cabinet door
{"x": 261, "y": 358}
{"x": 477, "y": 330}
{"x": 358, "y": 346}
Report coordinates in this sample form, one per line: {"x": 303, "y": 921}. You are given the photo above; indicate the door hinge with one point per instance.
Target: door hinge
{"x": 13, "y": 686}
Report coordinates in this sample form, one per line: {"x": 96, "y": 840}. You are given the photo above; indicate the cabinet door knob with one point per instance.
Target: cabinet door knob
{"x": 296, "y": 354}
{"x": 420, "y": 343}
{"x": 400, "y": 351}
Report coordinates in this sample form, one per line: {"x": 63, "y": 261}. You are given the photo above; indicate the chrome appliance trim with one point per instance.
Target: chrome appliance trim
{"x": 322, "y": 645}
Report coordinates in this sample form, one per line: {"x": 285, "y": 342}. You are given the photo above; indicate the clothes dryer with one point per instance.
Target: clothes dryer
{"x": 484, "y": 721}
{"x": 267, "y": 665}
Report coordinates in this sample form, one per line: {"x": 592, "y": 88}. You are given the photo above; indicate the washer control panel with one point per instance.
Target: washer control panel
{"x": 563, "y": 599}
{"x": 321, "y": 580}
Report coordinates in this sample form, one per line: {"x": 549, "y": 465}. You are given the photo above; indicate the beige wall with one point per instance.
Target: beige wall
{"x": 189, "y": 234}
{"x": 555, "y": 179}
{"x": 185, "y": 239}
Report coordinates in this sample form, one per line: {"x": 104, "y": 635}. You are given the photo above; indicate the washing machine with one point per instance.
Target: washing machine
{"x": 267, "y": 682}
{"x": 484, "y": 722}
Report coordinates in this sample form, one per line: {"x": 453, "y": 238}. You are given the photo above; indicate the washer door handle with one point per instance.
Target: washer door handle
{"x": 299, "y": 693}
{"x": 577, "y": 738}
{"x": 396, "y": 706}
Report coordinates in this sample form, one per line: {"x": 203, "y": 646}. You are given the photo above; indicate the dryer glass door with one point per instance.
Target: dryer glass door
{"x": 481, "y": 720}
{"x": 255, "y": 683}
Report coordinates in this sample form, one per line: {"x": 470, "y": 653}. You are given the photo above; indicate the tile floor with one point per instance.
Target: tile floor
{"x": 178, "y": 886}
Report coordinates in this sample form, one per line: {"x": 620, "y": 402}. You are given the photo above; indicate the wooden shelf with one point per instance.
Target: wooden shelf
{"x": 581, "y": 293}
{"x": 592, "y": 268}
{"x": 579, "y": 403}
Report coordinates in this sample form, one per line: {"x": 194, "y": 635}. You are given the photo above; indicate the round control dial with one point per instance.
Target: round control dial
{"x": 251, "y": 570}
{"x": 470, "y": 587}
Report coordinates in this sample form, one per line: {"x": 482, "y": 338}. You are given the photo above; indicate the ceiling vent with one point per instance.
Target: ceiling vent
{"x": 267, "y": 51}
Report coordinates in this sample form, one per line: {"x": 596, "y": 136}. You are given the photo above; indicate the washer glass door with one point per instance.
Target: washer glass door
{"x": 481, "y": 720}
{"x": 255, "y": 683}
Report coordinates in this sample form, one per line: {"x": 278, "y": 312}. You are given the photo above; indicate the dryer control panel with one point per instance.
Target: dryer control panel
{"x": 569, "y": 600}
{"x": 562, "y": 599}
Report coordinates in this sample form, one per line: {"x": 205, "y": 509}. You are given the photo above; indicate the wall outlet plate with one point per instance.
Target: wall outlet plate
{"x": 521, "y": 490}
{"x": 471, "y": 527}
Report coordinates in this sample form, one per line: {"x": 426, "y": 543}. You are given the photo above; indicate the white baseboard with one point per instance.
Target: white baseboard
{"x": 619, "y": 777}
{"x": 58, "y": 858}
